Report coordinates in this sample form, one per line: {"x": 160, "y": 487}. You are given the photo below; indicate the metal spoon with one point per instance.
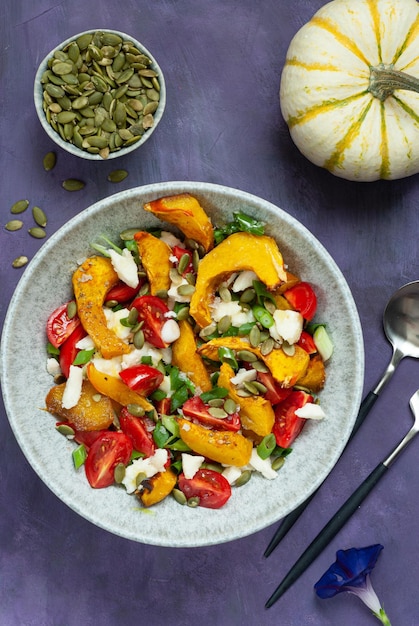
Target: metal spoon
{"x": 346, "y": 510}
{"x": 401, "y": 326}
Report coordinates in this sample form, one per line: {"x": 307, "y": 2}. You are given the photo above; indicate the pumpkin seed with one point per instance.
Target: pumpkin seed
{"x": 193, "y": 502}
{"x": 278, "y": 463}
{"x": 208, "y": 330}
{"x": 183, "y": 262}
{"x": 20, "y": 261}
{"x": 139, "y": 478}
{"x": 139, "y": 339}
{"x": 217, "y": 412}
{"x": 49, "y": 161}
{"x": 186, "y": 290}
{"x": 250, "y": 387}
{"x": 183, "y": 314}
{"x": 259, "y": 386}
{"x": 179, "y": 496}
{"x": 224, "y": 324}
{"x": 14, "y": 225}
{"x": 288, "y": 349}
{"x": 117, "y": 176}
{"x": 39, "y": 216}
{"x": 66, "y": 430}
{"x": 254, "y": 336}
{"x": 247, "y": 356}
{"x": 73, "y": 184}
{"x": 37, "y": 232}
{"x": 71, "y": 309}
{"x": 229, "y": 406}
{"x": 244, "y": 478}
{"x": 248, "y": 295}
{"x": 119, "y": 473}
{"x": 136, "y": 410}
{"x": 267, "y": 346}
{"x": 260, "y": 366}
{"x": 225, "y": 294}
{"x": 19, "y": 206}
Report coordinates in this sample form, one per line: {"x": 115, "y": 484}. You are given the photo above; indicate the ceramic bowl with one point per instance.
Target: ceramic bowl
{"x": 58, "y": 133}
{"x": 46, "y": 283}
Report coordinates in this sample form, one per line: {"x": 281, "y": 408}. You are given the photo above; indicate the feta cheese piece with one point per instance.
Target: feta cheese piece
{"x": 288, "y": 325}
{"x": 86, "y": 343}
{"x": 72, "y": 390}
{"x": 263, "y": 466}
{"x": 125, "y": 266}
{"x": 170, "y": 331}
{"x": 243, "y": 375}
{"x": 191, "y": 464}
{"x": 232, "y": 473}
{"x": 170, "y": 239}
{"x": 149, "y": 466}
{"x": 174, "y": 295}
{"x": 244, "y": 280}
{"x": 220, "y": 309}
{"x": 311, "y": 411}
{"x": 112, "y": 367}
{"x": 113, "y": 322}
{"x": 53, "y": 367}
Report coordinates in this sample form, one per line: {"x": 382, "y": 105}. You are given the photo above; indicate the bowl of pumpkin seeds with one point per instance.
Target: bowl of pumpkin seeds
{"x": 99, "y": 94}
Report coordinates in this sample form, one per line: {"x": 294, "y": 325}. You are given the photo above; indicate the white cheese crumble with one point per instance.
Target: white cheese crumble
{"x": 125, "y": 266}
{"x": 86, "y": 343}
{"x": 232, "y": 473}
{"x": 288, "y": 325}
{"x": 243, "y": 375}
{"x": 219, "y": 309}
{"x": 53, "y": 367}
{"x": 244, "y": 280}
{"x": 170, "y": 239}
{"x": 263, "y": 466}
{"x": 112, "y": 366}
{"x": 170, "y": 331}
{"x": 310, "y": 411}
{"x": 113, "y": 322}
{"x": 149, "y": 466}
{"x": 191, "y": 464}
{"x": 72, "y": 390}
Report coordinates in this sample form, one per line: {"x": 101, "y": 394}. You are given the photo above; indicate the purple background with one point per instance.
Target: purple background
{"x": 222, "y": 61}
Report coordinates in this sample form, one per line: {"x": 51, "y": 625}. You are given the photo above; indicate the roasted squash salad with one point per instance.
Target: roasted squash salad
{"x": 185, "y": 364}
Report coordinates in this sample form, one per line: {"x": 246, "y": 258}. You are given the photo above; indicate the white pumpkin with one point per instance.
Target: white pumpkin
{"x": 349, "y": 89}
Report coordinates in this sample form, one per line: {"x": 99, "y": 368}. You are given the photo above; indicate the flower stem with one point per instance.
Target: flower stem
{"x": 384, "y": 80}
{"x": 382, "y": 616}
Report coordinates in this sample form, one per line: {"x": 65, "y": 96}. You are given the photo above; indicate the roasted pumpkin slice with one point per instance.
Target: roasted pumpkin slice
{"x": 91, "y": 282}
{"x": 115, "y": 388}
{"x": 185, "y": 212}
{"x": 239, "y": 251}
{"x": 155, "y": 256}
{"x": 156, "y": 488}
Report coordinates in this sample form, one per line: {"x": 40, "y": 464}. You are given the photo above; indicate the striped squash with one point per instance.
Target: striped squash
{"x": 349, "y": 89}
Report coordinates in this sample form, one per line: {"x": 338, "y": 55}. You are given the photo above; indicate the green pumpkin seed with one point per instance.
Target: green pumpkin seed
{"x": 73, "y": 184}
{"x": 251, "y": 387}
{"x": 62, "y": 67}
{"x": 179, "y": 496}
{"x": 193, "y": 502}
{"x": 19, "y": 206}
{"x": 71, "y": 309}
{"x": 186, "y": 290}
{"x": 136, "y": 410}
{"x": 66, "y": 430}
{"x": 39, "y": 216}
{"x": 128, "y": 234}
{"x": 183, "y": 314}
{"x": 14, "y": 225}
{"x": 183, "y": 262}
{"x": 139, "y": 339}
{"x": 84, "y": 40}
{"x": 225, "y": 294}
{"x": 37, "y": 232}
{"x": 267, "y": 346}
{"x": 119, "y": 473}
{"x": 139, "y": 478}
{"x": 288, "y": 349}
{"x": 229, "y": 406}
{"x": 224, "y": 324}
{"x": 49, "y": 161}
{"x": 217, "y": 412}
{"x": 247, "y": 356}
{"x": 117, "y": 176}
{"x": 254, "y": 336}
{"x": 20, "y": 261}
{"x": 278, "y": 463}
{"x": 244, "y": 478}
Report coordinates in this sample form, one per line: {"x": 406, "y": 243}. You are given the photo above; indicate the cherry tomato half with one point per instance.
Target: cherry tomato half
{"x": 275, "y": 393}
{"x": 60, "y": 326}
{"x": 198, "y": 410}
{"x": 136, "y": 429}
{"x": 142, "y": 378}
{"x": 306, "y": 342}
{"x": 152, "y": 311}
{"x": 287, "y": 424}
{"x": 209, "y": 486}
{"x": 303, "y": 299}
{"x": 109, "y": 449}
{"x": 68, "y": 350}
{"x": 122, "y": 293}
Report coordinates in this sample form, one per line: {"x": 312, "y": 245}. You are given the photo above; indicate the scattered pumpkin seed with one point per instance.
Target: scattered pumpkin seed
{"x": 73, "y": 184}
{"x": 49, "y": 160}
{"x": 225, "y": 294}
{"x": 19, "y": 206}
{"x": 139, "y": 339}
{"x": 139, "y": 478}
{"x": 39, "y": 216}
{"x": 37, "y": 232}
{"x": 247, "y": 356}
{"x": 244, "y": 478}
{"x": 278, "y": 463}
{"x": 119, "y": 473}
{"x": 267, "y": 346}
{"x": 254, "y": 336}
{"x": 229, "y": 406}
{"x": 208, "y": 330}
{"x": 136, "y": 410}
{"x": 217, "y": 412}
{"x": 117, "y": 176}
{"x": 179, "y": 496}
{"x": 71, "y": 309}
{"x": 128, "y": 234}
{"x": 183, "y": 262}
{"x": 14, "y": 225}
{"x": 186, "y": 290}
{"x": 224, "y": 324}
{"x": 251, "y": 387}
{"x": 66, "y": 430}
{"x": 260, "y": 366}
{"x": 20, "y": 261}
{"x": 288, "y": 349}
{"x": 193, "y": 502}
{"x": 218, "y": 402}
{"x": 183, "y": 314}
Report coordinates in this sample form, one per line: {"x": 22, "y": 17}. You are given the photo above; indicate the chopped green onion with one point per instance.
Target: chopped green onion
{"x": 226, "y": 355}
{"x": 171, "y": 424}
{"x": 83, "y": 357}
{"x": 323, "y": 343}
{"x": 146, "y": 360}
{"x": 266, "y": 446}
{"x": 216, "y": 392}
{"x": 179, "y": 397}
{"x": 161, "y": 435}
{"x": 159, "y": 394}
{"x": 79, "y": 455}
{"x": 263, "y": 316}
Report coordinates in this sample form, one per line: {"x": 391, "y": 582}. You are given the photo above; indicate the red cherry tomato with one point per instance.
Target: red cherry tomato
{"x": 198, "y": 410}
{"x": 287, "y": 424}
{"x": 87, "y": 437}
{"x": 303, "y": 299}
{"x": 142, "y": 378}
{"x": 109, "y": 449}
{"x": 122, "y": 293}
{"x": 60, "y": 326}
{"x": 69, "y": 351}
{"x": 136, "y": 429}
{"x": 153, "y": 312}
{"x": 275, "y": 393}
{"x": 306, "y": 342}
{"x": 212, "y": 489}
{"x": 179, "y": 252}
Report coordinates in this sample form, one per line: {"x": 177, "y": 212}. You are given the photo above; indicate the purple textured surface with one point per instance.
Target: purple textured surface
{"x": 222, "y": 62}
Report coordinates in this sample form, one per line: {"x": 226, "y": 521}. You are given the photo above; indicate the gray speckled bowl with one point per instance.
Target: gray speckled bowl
{"x": 46, "y": 283}
{"x": 70, "y": 147}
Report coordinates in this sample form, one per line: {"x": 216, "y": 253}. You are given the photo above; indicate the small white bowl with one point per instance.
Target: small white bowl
{"x": 46, "y": 283}
{"x": 71, "y": 147}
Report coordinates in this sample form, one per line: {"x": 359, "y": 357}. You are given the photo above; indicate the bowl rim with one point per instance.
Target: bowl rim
{"x": 228, "y": 532}
{"x": 66, "y": 145}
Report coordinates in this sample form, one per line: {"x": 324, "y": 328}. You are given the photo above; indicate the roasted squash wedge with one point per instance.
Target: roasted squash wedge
{"x": 91, "y": 282}
{"x": 115, "y": 388}
{"x": 155, "y": 256}
{"x": 239, "y": 251}
{"x": 315, "y": 376}
{"x": 185, "y": 212}
{"x": 156, "y": 488}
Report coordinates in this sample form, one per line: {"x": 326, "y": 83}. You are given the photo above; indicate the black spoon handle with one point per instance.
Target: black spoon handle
{"x": 328, "y": 533}
{"x": 288, "y": 521}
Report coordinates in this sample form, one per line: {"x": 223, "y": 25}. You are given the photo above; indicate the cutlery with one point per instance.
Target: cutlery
{"x": 401, "y": 326}
{"x": 346, "y": 510}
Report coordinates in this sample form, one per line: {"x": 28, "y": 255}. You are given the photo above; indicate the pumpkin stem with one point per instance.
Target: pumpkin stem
{"x": 384, "y": 80}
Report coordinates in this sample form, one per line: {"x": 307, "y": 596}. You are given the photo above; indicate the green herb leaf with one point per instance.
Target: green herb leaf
{"x": 83, "y": 357}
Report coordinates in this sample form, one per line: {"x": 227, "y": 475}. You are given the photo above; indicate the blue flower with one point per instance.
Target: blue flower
{"x": 351, "y": 572}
